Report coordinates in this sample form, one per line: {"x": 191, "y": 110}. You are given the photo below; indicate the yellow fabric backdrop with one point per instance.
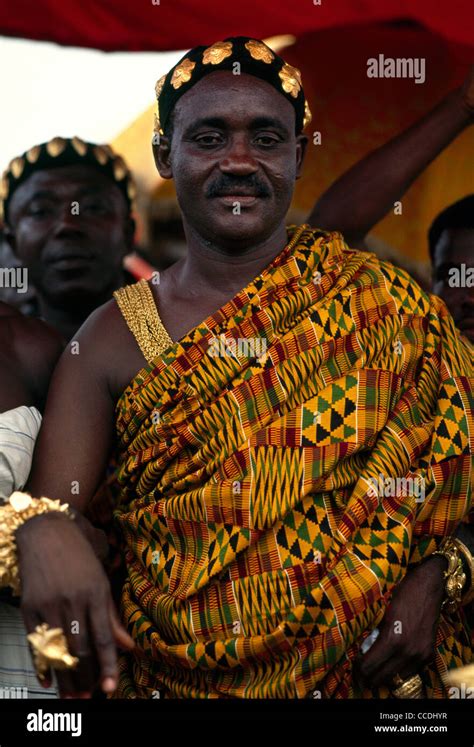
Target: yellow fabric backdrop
{"x": 356, "y": 114}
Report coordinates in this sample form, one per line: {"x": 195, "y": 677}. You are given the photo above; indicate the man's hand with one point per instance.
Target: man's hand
{"x": 96, "y": 537}
{"x": 64, "y": 585}
{"x": 408, "y": 631}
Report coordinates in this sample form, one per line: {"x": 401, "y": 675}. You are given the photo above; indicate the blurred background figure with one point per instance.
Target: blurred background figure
{"x": 67, "y": 212}
{"x": 451, "y": 243}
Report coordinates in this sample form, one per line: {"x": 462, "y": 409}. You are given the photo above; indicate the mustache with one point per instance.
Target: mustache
{"x": 234, "y": 184}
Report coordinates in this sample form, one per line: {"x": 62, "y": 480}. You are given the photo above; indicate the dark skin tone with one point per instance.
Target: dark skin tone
{"x": 74, "y": 260}
{"x": 455, "y": 247}
{"x": 220, "y": 158}
{"x": 234, "y": 152}
{"x": 29, "y": 350}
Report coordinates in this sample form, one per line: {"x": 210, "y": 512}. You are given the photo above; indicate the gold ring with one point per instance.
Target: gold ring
{"x": 50, "y": 650}
{"x": 410, "y": 688}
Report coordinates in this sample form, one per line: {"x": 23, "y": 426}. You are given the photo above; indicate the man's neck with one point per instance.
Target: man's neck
{"x": 65, "y": 322}
{"x": 214, "y": 269}
{"x": 68, "y": 320}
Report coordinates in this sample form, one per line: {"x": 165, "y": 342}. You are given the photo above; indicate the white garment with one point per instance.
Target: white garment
{"x": 18, "y": 432}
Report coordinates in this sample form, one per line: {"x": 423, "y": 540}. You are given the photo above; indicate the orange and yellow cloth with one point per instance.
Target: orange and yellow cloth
{"x": 258, "y": 554}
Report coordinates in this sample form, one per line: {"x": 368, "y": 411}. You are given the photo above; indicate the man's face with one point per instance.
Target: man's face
{"x": 454, "y": 249}
{"x": 70, "y": 227}
{"x": 234, "y": 158}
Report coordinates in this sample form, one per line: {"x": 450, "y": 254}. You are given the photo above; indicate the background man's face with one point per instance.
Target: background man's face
{"x": 234, "y": 158}
{"x": 455, "y": 248}
{"x": 70, "y": 256}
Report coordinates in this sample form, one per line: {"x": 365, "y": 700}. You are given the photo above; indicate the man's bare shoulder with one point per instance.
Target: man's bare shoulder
{"x": 30, "y": 349}
{"x": 27, "y": 337}
{"x": 35, "y": 335}
{"x": 110, "y": 348}
{"x": 104, "y": 317}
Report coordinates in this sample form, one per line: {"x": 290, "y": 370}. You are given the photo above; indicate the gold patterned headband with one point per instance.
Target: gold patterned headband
{"x": 65, "y": 152}
{"x": 253, "y": 57}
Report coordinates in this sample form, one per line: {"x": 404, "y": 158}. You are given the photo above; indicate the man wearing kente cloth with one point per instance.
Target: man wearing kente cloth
{"x": 260, "y": 403}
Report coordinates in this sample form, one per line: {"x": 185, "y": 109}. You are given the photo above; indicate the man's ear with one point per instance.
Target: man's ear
{"x": 162, "y": 156}
{"x": 9, "y": 238}
{"x": 301, "y": 145}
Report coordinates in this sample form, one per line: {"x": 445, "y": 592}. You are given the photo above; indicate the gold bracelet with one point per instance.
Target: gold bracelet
{"x": 466, "y": 553}
{"x": 20, "y": 508}
{"x": 454, "y": 575}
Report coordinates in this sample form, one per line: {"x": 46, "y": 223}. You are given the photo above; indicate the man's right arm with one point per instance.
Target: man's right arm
{"x": 62, "y": 579}
{"x": 76, "y": 435}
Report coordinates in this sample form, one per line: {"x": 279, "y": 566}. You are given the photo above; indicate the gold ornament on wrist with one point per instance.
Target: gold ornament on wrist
{"x": 19, "y": 509}
{"x": 468, "y": 595}
{"x": 454, "y": 576}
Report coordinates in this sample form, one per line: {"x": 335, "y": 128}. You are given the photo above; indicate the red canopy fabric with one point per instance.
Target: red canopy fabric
{"x": 142, "y": 25}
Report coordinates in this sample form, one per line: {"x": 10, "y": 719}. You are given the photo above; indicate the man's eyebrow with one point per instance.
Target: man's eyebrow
{"x": 41, "y": 194}
{"x": 262, "y": 122}
{"x": 205, "y": 122}
{"x": 52, "y": 195}
{"x": 221, "y": 124}
{"x": 93, "y": 191}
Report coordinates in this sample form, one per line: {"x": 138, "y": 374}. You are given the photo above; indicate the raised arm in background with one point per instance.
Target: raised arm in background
{"x": 362, "y": 196}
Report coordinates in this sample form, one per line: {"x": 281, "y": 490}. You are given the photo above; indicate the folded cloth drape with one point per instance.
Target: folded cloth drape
{"x": 18, "y": 431}
{"x": 256, "y": 464}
